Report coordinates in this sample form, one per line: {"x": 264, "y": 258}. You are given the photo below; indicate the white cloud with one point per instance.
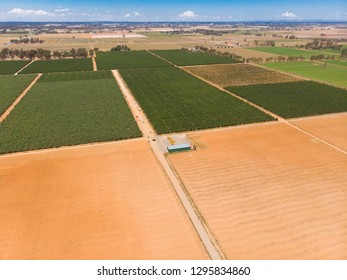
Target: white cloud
{"x": 134, "y": 14}
{"x": 288, "y": 14}
{"x": 62, "y": 10}
{"x": 21, "y": 12}
{"x": 108, "y": 11}
{"x": 188, "y": 14}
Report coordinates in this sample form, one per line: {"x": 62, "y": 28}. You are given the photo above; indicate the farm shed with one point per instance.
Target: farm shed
{"x": 178, "y": 148}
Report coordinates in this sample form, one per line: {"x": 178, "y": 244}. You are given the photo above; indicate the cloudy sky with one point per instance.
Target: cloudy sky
{"x": 173, "y": 10}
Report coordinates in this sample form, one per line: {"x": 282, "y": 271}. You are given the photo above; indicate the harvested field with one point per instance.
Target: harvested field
{"x": 331, "y": 128}
{"x": 11, "y": 67}
{"x": 66, "y": 109}
{"x": 128, "y": 59}
{"x": 108, "y": 201}
{"x": 239, "y": 75}
{"x": 61, "y": 65}
{"x": 335, "y": 74}
{"x": 268, "y": 192}
{"x": 176, "y": 101}
{"x": 183, "y": 58}
{"x": 11, "y": 87}
{"x": 295, "y": 99}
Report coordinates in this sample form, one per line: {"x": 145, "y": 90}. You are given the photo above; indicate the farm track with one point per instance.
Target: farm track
{"x": 200, "y": 226}
{"x": 95, "y": 67}
{"x": 19, "y": 98}
{"x": 31, "y": 62}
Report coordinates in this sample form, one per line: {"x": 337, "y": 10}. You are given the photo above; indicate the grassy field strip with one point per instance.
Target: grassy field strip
{"x": 20, "y": 70}
{"x": 19, "y": 98}
{"x": 283, "y": 72}
{"x": 236, "y": 96}
{"x": 331, "y": 74}
{"x": 149, "y": 132}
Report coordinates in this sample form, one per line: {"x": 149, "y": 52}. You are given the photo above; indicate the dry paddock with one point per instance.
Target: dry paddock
{"x": 108, "y": 201}
{"x": 268, "y": 192}
{"x": 331, "y": 128}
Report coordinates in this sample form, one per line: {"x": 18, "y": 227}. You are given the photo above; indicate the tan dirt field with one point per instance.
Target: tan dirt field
{"x": 106, "y": 201}
{"x": 268, "y": 192}
{"x": 239, "y": 75}
{"x": 331, "y": 128}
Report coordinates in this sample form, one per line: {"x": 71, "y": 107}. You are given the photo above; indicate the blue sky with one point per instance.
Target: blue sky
{"x": 187, "y": 10}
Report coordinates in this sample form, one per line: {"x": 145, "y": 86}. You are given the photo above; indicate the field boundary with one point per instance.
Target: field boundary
{"x": 19, "y": 98}
{"x": 162, "y": 58}
{"x": 25, "y": 66}
{"x": 193, "y": 214}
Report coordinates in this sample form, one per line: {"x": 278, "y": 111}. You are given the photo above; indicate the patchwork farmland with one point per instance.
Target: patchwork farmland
{"x": 295, "y": 99}
{"x": 181, "y": 102}
{"x": 239, "y": 75}
{"x": 61, "y": 65}
{"x": 184, "y": 58}
{"x": 11, "y": 88}
{"x": 249, "y": 185}
{"x": 11, "y": 67}
{"x": 61, "y": 111}
{"x": 130, "y": 59}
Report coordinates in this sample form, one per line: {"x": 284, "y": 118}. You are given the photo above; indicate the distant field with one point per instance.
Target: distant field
{"x": 330, "y": 73}
{"x": 11, "y": 87}
{"x": 175, "y": 101}
{"x": 296, "y": 99}
{"x": 337, "y": 62}
{"x": 239, "y": 74}
{"x": 11, "y": 67}
{"x": 184, "y": 58}
{"x": 287, "y": 51}
{"x": 61, "y": 65}
{"x": 60, "y": 113}
{"x": 128, "y": 59}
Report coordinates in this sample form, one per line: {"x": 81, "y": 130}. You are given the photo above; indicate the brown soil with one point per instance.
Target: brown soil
{"x": 269, "y": 192}
{"x": 107, "y": 201}
{"x": 239, "y": 75}
{"x": 331, "y": 128}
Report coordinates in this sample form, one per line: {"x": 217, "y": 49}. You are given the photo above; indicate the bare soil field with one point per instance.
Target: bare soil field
{"x": 268, "y": 192}
{"x": 108, "y": 201}
{"x": 239, "y": 75}
{"x": 331, "y": 128}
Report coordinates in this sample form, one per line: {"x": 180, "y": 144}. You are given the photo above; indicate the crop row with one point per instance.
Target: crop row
{"x": 128, "y": 59}
{"x": 63, "y": 113}
{"x": 59, "y": 65}
{"x": 11, "y": 87}
{"x": 185, "y": 57}
{"x": 11, "y": 66}
{"x": 175, "y": 101}
{"x": 295, "y": 99}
